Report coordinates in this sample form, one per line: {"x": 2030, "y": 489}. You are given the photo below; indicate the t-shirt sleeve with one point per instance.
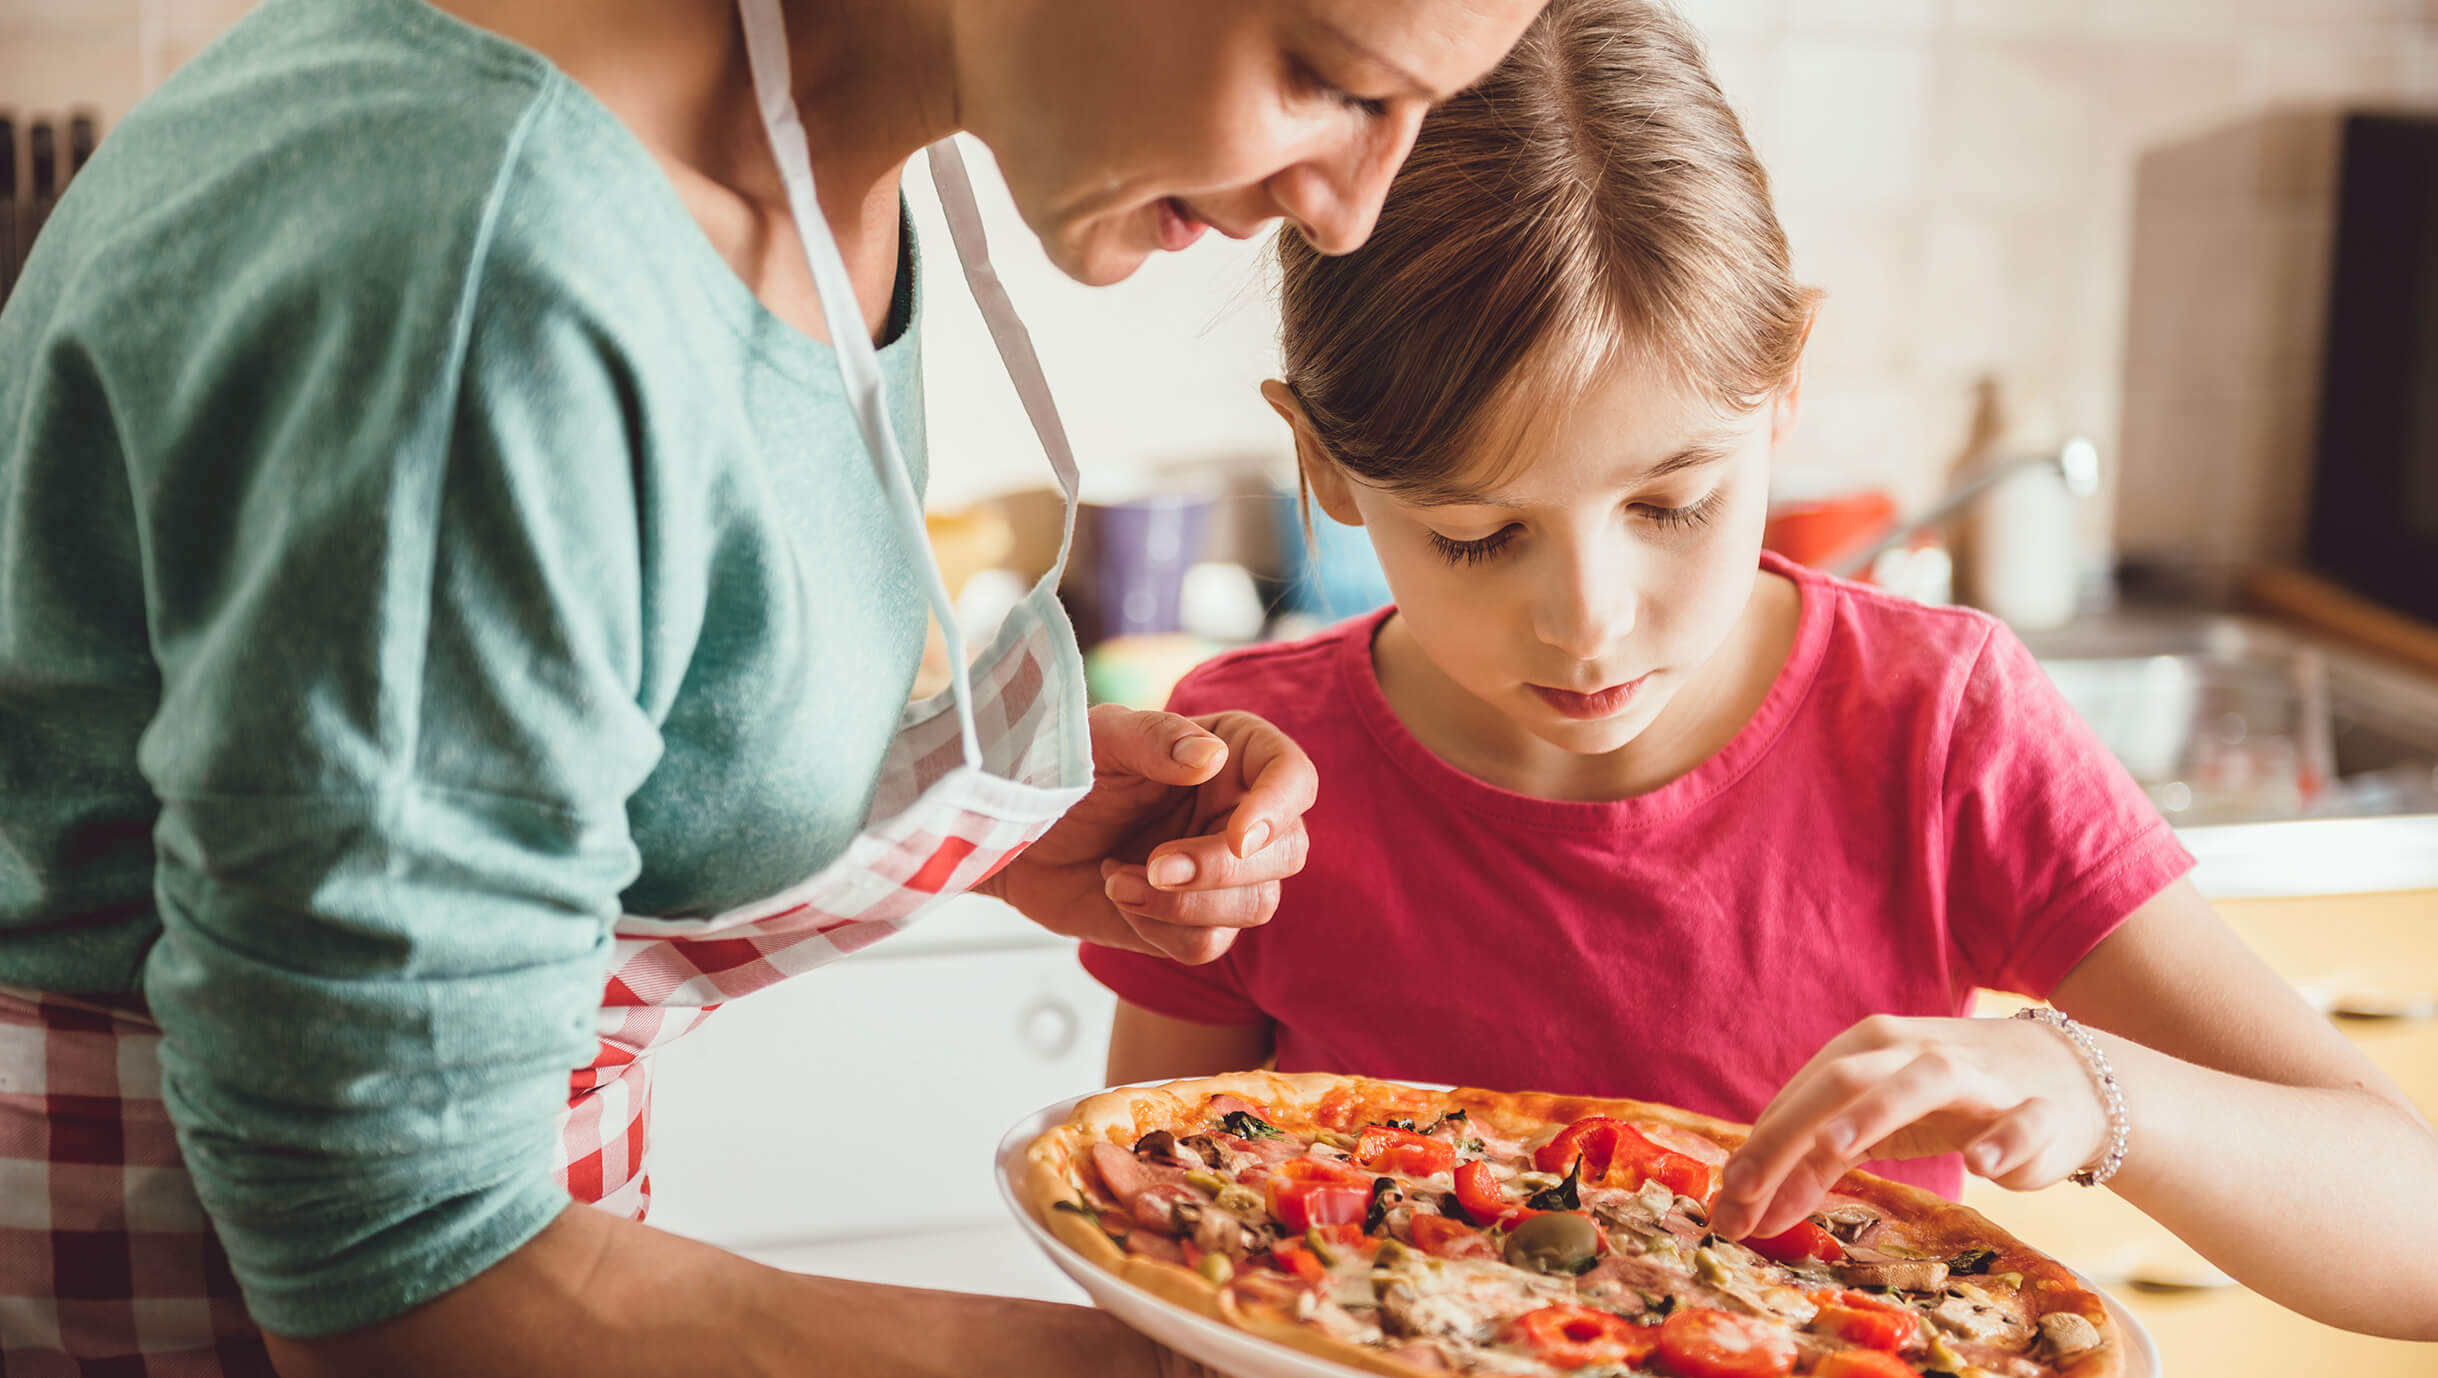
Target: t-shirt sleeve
{"x": 2050, "y": 844}
{"x": 394, "y": 575}
{"x": 1213, "y": 993}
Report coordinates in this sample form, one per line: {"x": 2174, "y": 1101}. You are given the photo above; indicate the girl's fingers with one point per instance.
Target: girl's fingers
{"x": 1937, "y": 1079}
{"x": 2009, "y": 1152}
{"x": 1212, "y": 863}
{"x": 1789, "y": 1130}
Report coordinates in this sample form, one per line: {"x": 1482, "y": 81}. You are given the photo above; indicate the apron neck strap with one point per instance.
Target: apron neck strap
{"x": 851, "y": 345}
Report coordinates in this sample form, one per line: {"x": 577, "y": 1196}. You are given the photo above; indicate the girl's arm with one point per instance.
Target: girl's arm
{"x": 1144, "y": 1046}
{"x": 2260, "y": 1135}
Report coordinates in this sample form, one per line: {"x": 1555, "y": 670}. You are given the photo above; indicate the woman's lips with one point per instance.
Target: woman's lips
{"x": 1600, "y": 704}
{"x": 1179, "y": 226}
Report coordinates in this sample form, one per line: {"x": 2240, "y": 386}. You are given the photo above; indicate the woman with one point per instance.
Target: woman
{"x": 445, "y": 564}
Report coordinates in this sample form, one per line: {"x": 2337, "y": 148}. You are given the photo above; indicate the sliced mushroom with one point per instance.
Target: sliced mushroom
{"x": 2068, "y": 1336}
{"x": 1851, "y": 1224}
{"x": 1895, "y": 1274}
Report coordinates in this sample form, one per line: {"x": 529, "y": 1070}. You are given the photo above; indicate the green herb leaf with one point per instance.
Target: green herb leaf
{"x": 1244, "y": 1124}
{"x": 1565, "y": 1196}
{"x": 1406, "y": 1125}
{"x": 1971, "y": 1261}
{"x": 1077, "y": 1207}
{"x": 1376, "y": 1214}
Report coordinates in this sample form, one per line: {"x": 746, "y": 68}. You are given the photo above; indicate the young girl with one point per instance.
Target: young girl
{"x": 1614, "y": 803}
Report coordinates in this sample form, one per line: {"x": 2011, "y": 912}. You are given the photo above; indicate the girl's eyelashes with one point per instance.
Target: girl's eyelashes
{"x": 1471, "y": 552}
{"x": 1467, "y": 553}
{"x": 1679, "y": 518}
{"x": 1322, "y": 87}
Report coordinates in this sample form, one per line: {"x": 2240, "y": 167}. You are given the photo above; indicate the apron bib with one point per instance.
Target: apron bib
{"x": 105, "y": 1254}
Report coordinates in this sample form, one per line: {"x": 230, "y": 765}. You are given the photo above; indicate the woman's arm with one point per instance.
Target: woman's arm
{"x": 2259, "y": 1134}
{"x": 595, "y": 1296}
{"x": 1153, "y": 1047}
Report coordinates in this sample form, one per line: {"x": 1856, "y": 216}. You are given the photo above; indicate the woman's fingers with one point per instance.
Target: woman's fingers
{"x": 1279, "y": 781}
{"x": 1212, "y": 863}
{"x": 1164, "y": 747}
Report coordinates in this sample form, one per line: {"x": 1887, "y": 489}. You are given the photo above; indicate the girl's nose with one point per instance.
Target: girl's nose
{"x": 1587, "y": 610}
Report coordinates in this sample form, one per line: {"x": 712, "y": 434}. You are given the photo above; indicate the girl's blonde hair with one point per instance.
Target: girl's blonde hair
{"x": 1592, "y": 197}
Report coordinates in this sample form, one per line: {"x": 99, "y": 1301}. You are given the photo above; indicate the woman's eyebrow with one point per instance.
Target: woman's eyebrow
{"x": 1415, "y": 86}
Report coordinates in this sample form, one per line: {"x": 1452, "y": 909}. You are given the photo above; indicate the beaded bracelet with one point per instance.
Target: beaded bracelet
{"x": 2119, "y": 1128}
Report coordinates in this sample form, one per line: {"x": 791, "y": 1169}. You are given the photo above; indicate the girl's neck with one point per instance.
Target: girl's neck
{"x": 1696, "y": 724}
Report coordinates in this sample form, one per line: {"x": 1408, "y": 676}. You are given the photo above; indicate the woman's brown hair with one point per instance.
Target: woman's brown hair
{"x": 1591, "y": 197}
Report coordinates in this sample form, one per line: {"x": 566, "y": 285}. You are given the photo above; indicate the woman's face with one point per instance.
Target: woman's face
{"x": 1124, "y": 127}
{"x": 1582, "y": 592}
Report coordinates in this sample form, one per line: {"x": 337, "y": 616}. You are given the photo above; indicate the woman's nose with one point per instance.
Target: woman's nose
{"x": 1334, "y": 197}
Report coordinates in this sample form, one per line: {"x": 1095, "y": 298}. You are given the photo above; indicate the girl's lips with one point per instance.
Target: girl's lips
{"x": 1601, "y": 704}
{"x": 1179, "y": 227}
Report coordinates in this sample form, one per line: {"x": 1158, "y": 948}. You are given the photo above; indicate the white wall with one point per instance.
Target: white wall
{"x": 1160, "y": 369}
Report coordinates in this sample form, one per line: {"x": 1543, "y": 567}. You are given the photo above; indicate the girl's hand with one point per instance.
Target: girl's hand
{"x": 2012, "y": 1096}
{"x": 1189, "y": 828}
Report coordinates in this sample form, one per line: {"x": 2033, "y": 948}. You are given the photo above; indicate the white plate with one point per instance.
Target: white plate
{"x": 1235, "y": 1352}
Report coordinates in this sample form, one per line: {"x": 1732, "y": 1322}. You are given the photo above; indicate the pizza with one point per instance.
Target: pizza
{"x": 1411, "y": 1232}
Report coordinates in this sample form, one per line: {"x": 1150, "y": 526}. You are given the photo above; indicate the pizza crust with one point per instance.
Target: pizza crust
{"x": 1054, "y": 1173}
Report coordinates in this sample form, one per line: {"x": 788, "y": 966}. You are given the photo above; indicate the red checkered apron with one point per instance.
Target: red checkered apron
{"x": 107, "y": 1262}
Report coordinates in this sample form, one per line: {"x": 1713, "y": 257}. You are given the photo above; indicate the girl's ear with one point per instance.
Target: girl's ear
{"x": 1789, "y": 399}
{"x": 1322, "y": 478}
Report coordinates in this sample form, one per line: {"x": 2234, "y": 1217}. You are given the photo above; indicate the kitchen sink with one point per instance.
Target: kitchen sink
{"x": 2289, "y": 765}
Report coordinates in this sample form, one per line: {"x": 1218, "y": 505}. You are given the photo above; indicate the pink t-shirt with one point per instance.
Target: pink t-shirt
{"x": 1912, "y": 812}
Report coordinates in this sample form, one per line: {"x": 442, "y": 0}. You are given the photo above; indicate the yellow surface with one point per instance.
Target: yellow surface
{"x": 2353, "y": 942}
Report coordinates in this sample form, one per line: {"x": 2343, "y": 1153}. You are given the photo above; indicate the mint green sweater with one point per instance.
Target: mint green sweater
{"x": 416, "y": 547}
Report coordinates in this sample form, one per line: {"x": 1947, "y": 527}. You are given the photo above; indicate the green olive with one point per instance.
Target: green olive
{"x": 1217, "y": 1268}
{"x": 1558, "y": 1242}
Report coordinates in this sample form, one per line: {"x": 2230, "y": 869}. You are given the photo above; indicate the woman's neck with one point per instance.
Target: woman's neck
{"x": 874, "y": 81}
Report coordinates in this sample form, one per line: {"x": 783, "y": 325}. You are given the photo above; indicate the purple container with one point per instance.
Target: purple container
{"x": 1138, "y": 554}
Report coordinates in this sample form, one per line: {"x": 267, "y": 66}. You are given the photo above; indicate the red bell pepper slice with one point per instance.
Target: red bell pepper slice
{"x": 1298, "y": 1262}
{"x": 1304, "y": 1192}
{"x": 1615, "y": 1154}
{"x": 1858, "y": 1318}
{"x": 1864, "y": 1363}
{"x": 1478, "y": 1191}
{"x": 1565, "y": 1336}
{"x": 1701, "y": 1343}
{"x": 1441, "y": 1237}
{"x": 1384, "y": 1148}
{"x": 1802, "y": 1242}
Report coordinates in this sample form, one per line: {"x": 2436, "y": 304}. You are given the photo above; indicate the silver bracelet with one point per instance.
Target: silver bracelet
{"x": 2119, "y": 1128}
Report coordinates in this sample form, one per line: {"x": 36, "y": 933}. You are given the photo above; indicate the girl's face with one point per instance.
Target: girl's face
{"x": 1590, "y": 586}
{"x": 1128, "y": 126}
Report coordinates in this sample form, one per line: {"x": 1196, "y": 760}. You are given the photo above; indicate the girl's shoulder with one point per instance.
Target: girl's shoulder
{"x": 1291, "y": 683}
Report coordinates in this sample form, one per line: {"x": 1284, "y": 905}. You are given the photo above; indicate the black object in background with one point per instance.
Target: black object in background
{"x": 2374, "y": 505}
{"x": 9, "y": 255}
{"x": 42, "y": 157}
{"x": 83, "y": 133}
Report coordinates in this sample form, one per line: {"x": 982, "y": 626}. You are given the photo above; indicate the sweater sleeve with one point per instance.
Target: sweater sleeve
{"x": 391, "y": 527}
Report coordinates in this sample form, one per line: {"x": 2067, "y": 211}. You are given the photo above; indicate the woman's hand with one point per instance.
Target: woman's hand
{"x": 2012, "y": 1096}
{"x": 1189, "y": 828}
